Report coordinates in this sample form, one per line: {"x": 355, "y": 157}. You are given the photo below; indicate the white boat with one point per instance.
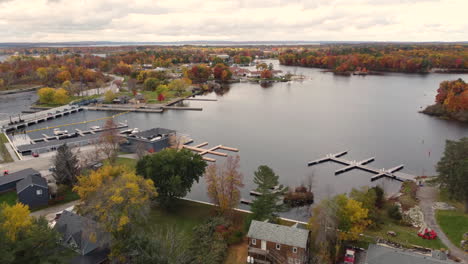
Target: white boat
{"x": 59, "y": 132}
{"x": 95, "y": 127}
{"x": 135, "y": 130}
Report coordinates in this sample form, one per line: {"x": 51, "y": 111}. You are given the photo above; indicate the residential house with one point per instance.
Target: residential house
{"x": 239, "y": 72}
{"x": 8, "y": 182}
{"x": 379, "y": 254}
{"x": 33, "y": 191}
{"x": 254, "y": 74}
{"x": 152, "y": 140}
{"x": 84, "y": 236}
{"x": 277, "y": 244}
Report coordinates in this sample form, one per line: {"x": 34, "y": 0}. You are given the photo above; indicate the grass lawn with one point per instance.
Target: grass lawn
{"x": 9, "y": 198}
{"x": 406, "y": 236}
{"x": 128, "y": 162}
{"x": 5, "y": 156}
{"x": 152, "y": 97}
{"x": 454, "y": 224}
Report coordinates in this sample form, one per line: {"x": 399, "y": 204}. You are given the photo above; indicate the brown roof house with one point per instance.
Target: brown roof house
{"x": 274, "y": 244}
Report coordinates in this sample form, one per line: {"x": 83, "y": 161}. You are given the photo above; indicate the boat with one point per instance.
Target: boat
{"x": 59, "y": 132}
{"x": 95, "y": 127}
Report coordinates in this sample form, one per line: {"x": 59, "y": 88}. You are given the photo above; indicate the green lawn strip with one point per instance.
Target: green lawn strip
{"x": 444, "y": 197}
{"x": 5, "y": 156}
{"x": 453, "y": 223}
{"x": 406, "y": 236}
{"x": 9, "y": 198}
{"x": 128, "y": 162}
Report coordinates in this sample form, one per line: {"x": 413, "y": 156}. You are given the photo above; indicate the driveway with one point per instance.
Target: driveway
{"x": 427, "y": 195}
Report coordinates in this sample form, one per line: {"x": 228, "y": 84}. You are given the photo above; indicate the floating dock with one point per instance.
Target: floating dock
{"x": 392, "y": 173}
{"x": 198, "y": 148}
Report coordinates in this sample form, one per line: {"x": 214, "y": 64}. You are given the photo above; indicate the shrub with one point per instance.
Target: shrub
{"x": 235, "y": 237}
{"x": 394, "y": 212}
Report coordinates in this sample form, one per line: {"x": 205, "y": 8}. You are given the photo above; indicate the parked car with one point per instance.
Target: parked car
{"x": 350, "y": 256}
{"x": 5, "y": 172}
{"x": 52, "y": 168}
{"x": 35, "y": 154}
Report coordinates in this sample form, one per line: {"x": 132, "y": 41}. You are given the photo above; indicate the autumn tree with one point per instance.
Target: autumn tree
{"x": 66, "y": 166}
{"x": 109, "y": 96}
{"x": 268, "y": 204}
{"x": 179, "y": 86}
{"x": 207, "y": 245}
{"x": 453, "y": 170}
{"x": 352, "y": 218}
{"x": 46, "y": 95}
{"x": 150, "y": 84}
{"x": 110, "y": 140}
{"x": 199, "y": 73}
{"x": 324, "y": 232}
{"x": 118, "y": 199}
{"x": 221, "y": 72}
{"x": 172, "y": 171}
{"x": 61, "y": 96}
{"x": 24, "y": 239}
{"x": 224, "y": 183}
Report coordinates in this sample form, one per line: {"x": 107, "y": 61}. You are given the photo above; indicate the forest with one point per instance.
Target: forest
{"x": 381, "y": 58}
{"x": 451, "y": 101}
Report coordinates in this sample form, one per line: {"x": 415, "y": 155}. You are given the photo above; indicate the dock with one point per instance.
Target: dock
{"x": 182, "y": 108}
{"x": 32, "y": 119}
{"x": 198, "y": 148}
{"x": 392, "y": 173}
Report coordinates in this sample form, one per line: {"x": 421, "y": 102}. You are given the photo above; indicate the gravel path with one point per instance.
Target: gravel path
{"x": 427, "y": 196}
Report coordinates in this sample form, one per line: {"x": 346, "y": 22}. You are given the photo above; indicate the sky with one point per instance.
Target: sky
{"x": 233, "y": 20}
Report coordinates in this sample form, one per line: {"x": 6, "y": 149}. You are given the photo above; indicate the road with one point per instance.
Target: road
{"x": 427, "y": 195}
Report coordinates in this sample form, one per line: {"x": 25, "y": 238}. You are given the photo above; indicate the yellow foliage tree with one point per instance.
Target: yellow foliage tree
{"x": 115, "y": 196}
{"x": 109, "y": 96}
{"x": 353, "y": 218}
{"x": 46, "y": 95}
{"x": 2, "y": 83}
{"x": 61, "y": 96}
{"x": 14, "y": 219}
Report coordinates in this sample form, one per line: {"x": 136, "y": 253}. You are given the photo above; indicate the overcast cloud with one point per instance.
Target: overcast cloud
{"x": 235, "y": 20}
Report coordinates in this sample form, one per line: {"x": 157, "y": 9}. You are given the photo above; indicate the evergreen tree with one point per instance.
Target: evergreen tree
{"x": 66, "y": 166}
{"x": 453, "y": 170}
{"x": 268, "y": 204}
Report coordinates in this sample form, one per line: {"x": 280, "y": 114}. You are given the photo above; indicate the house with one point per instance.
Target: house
{"x": 84, "y": 236}
{"x": 152, "y": 140}
{"x": 274, "y": 244}
{"x": 254, "y": 74}
{"x": 378, "y": 254}
{"x": 8, "y": 182}
{"x": 33, "y": 191}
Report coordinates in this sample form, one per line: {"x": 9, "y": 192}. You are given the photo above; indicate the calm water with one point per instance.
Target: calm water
{"x": 288, "y": 124}
{"x": 13, "y": 104}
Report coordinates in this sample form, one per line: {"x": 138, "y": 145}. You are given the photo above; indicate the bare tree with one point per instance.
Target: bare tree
{"x": 110, "y": 140}
{"x": 224, "y": 183}
{"x": 140, "y": 150}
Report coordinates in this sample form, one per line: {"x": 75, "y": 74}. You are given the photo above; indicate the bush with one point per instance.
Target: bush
{"x": 235, "y": 237}
{"x": 394, "y": 213}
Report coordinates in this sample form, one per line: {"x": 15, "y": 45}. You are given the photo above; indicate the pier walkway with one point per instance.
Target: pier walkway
{"x": 392, "y": 173}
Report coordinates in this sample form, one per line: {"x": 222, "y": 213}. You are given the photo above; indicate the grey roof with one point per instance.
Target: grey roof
{"x": 150, "y": 133}
{"x": 286, "y": 235}
{"x": 377, "y": 254}
{"x": 83, "y": 231}
{"x": 31, "y": 180}
{"x": 57, "y": 143}
{"x": 16, "y": 176}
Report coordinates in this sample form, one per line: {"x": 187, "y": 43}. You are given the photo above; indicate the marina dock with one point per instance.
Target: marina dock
{"x": 198, "y": 148}
{"x": 392, "y": 173}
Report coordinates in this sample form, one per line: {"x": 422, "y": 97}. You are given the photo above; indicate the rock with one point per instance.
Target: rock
{"x": 442, "y": 206}
{"x": 391, "y": 233}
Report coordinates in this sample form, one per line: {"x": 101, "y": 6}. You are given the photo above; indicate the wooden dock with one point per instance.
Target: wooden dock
{"x": 198, "y": 148}
{"x": 391, "y": 173}
{"x": 182, "y": 108}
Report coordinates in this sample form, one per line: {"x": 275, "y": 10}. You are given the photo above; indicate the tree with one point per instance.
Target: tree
{"x": 63, "y": 76}
{"x": 352, "y": 217}
{"x": 109, "y": 96}
{"x": 221, "y": 72}
{"x": 224, "y": 183}
{"x": 46, "y": 95}
{"x": 109, "y": 140}
{"x": 151, "y": 84}
{"x": 66, "y": 165}
{"x": 453, "y": 170}
{"x": 268, "y": 204}
{"x": 199, "y": 73}
{"x": 172, "y": 171}
{"x": 2, "y": 83}
{"x": 35, "y": 243}
{"x": 368, "y": 198}
{"x": 118, "y": 199}
{"x": 324, "y": 232}
{"x": 179, "y": 85}
{"x": 14, "y": 219}
{"x": 61, "y": 96}
{"x": 207, "y": 245}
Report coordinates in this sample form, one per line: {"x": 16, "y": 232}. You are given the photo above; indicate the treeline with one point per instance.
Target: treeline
{"x": 386, "y": 58}
{"x": 451, "y": 101}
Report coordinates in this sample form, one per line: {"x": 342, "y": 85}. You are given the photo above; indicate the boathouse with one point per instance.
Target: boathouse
{"x": 152, "y": 140}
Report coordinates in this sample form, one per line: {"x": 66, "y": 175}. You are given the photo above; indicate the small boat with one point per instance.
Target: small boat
{"x": 135, "y": 130}
{"x": 95, "y": 127}
{"x": 59, "y": 132}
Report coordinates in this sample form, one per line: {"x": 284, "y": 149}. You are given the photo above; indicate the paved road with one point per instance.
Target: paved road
{"x": 427, "y": 195}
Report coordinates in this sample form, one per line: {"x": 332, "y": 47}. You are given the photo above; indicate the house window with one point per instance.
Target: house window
{"x": 278, "y": 246}
{"x": 294, "y": 249}
{"x": 39, "y": 192}
{"x": 254, "y": 241}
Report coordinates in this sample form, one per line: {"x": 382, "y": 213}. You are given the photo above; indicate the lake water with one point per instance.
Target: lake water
{"x": 13, "y": 104}
{"x": 288, "y": 124}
